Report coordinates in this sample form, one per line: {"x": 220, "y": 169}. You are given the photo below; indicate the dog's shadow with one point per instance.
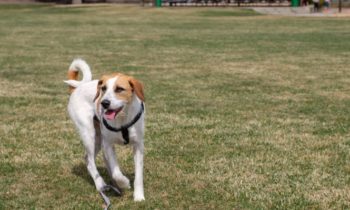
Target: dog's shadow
{"x": 80, "y": 170}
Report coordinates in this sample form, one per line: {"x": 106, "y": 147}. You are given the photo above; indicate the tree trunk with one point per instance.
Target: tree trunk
{"x": 77, "y": 1}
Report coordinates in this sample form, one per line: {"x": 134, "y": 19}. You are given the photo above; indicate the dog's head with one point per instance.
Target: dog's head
{"x": 115, "y": 92}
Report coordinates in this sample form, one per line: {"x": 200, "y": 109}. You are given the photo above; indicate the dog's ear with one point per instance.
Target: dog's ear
{"x": 137, "y": 88}
{"x": 99, "y": 84}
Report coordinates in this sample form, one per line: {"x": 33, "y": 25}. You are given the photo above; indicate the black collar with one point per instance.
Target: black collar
{"x": 124, "y": 128}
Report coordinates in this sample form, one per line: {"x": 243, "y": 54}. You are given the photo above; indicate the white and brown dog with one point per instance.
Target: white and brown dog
{"x": 108, "y": 111}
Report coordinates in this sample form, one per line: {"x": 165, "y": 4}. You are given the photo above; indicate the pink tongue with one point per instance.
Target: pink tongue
{"x": 110, "y": 114}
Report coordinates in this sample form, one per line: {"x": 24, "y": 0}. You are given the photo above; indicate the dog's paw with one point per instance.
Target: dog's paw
{"x": 122, "y": 182}
{"x": 139, "y": 197}
{"x": 100, "y": 184}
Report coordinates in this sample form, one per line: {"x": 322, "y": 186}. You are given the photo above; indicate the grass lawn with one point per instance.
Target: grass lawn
{"x": 244, "y": 111}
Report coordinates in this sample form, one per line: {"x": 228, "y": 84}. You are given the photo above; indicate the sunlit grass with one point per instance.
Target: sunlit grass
{"x": 244, "y": 111}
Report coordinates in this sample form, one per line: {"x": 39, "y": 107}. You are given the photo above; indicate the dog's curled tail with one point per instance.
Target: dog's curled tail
{"x": 73, "y": 72}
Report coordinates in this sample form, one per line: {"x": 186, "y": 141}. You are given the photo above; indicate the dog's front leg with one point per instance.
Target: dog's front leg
{"x": 112, "y": 164}
{"x": 138, "y": 151}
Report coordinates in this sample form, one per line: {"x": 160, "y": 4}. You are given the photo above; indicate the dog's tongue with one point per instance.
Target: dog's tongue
{"x": 110, "y": 114}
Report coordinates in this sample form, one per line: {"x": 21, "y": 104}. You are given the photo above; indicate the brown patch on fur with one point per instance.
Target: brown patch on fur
{"x": 98, "y": 89}
{"x": 98, "y": 94}
{"x": 72, "y": 75}
{"x": 123, "y": 82}
{"x": 129, "y": 84}
{"x": 101, "y": 83}
{"x": 137, "y": 87}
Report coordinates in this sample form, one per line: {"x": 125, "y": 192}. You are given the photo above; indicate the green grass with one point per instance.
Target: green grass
{"x": 225, "y": 13}
{"x": 244, "y": 111}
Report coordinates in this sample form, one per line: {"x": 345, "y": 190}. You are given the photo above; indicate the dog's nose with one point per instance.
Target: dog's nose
{"x": 105, "y": 103}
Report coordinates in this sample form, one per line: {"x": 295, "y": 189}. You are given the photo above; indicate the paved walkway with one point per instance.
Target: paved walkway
{"x": 302, "y": 11}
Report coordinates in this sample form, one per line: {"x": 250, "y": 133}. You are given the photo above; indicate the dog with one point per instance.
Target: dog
{"x": 105, "y": 112}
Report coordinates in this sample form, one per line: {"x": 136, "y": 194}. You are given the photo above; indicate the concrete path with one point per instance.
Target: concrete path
{"x": 302, "y": 11}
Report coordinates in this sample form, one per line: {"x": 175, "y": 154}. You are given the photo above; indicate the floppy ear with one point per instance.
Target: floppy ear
{"x": 98, "y": 89}
{"x": 137, "y": 88}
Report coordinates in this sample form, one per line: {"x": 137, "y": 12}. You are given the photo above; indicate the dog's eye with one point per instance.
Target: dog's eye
{"x": 119, "y": 89}
{"x": 103, "y": 88}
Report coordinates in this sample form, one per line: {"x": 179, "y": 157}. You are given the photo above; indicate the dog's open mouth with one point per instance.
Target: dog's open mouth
{"x": 111, "y": 114}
